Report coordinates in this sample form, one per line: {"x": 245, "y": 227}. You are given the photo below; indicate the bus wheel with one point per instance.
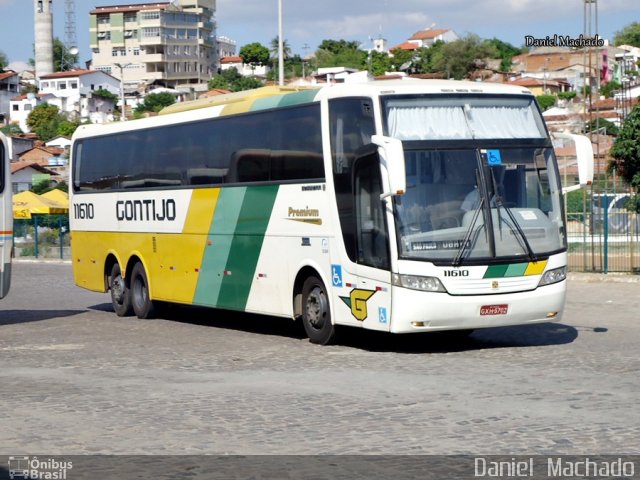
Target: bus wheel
{"x": 142, "y": 304}
{"x": 316, "y": 314}
{"x": 120, "y": 293}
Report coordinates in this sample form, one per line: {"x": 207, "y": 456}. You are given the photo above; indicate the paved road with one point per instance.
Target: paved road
{"x": 76, "y": 379}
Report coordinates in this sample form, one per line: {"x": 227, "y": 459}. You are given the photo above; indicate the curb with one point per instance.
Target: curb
{"x": 603, "y": 277}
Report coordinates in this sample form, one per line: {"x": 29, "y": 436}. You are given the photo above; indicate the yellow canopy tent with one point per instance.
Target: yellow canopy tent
{"x": 28, "y": 203}
{"x": 58, "y": 197}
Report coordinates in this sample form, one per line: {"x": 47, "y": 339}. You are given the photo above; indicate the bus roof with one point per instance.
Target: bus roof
{"x": 282, "y": 96}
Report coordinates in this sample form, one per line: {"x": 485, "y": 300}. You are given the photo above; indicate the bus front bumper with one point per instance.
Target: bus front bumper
{"x": 415, "y": 311}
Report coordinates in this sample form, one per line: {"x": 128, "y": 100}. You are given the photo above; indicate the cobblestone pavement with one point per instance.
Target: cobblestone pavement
{"x": 76, "y": 379}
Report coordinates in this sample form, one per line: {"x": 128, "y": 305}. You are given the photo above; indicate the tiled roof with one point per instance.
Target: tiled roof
{"x": 50, "y": 150}
{"x": 17, "y": 166}
{"x": 214, "y": 92}
{"x": 7, "y": 74}
{"x": 405, "y": 46}
{"x": 235, "y": 59}
{"x": 428, "y": 34}
{"x": 24, "y": 97}
{"x": 68, "y": 74}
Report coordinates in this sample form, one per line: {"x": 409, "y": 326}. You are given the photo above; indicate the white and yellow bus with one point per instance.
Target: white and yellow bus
{"x": 401, "y": 206}
{"x": 6, "y": 218}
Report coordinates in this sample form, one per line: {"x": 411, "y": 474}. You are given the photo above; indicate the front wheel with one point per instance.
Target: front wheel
{"x": 120, "y": 293}
{"x": 316, "y": 313}
{"x": 140, "y": 299}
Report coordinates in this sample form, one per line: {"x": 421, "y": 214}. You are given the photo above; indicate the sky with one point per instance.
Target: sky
{"x": 307, "y": 22}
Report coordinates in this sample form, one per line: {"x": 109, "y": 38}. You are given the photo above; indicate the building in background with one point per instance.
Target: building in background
{"x": 429, "y": 36}
{"x": 43, "y": 26}
{"x": 9, "y": 88}
{"x": 226, "y": 47}
{"x": 74, "y": 93}
{"x": 169, "y": 44}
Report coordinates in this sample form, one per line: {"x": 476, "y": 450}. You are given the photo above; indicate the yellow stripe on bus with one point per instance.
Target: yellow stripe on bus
{"x": 535, "y": 268}
{"x": 178, "y": 257}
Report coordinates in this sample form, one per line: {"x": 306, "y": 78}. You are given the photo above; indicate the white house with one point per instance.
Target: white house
{"x": 20, "y": 107}
{"x": 73, "y": 92}
{"x": 9, "y": 88}
{"x": 243, "y": 69}
{"x": 429, "y": 36}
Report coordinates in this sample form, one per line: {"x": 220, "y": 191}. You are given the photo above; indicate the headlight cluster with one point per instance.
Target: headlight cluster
{"x": 553, "y": 276}
{"x": 414, "y": 282}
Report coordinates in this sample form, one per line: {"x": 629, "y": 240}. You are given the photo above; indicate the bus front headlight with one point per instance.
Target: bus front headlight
{"x": 415, "y": 282}
{"x": 553, "y": 276}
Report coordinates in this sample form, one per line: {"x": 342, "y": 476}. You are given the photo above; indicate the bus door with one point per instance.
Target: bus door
{"x": 6, "y": 221}
{"x": 371, "y": 300}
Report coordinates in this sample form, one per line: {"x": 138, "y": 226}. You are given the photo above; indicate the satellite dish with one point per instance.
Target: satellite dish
{"x": 73, "y": 51}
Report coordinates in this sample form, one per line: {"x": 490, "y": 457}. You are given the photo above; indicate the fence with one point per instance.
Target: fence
{"x": 42, "y": 236}
{"x": 603, "y": 236}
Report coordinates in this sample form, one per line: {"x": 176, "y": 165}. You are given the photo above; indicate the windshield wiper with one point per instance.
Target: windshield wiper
{"x": 520, "y": 235}
{"x": 466, "y": 242}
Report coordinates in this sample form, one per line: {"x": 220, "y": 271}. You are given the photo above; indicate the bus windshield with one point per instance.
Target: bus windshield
{"x": 475, "y": 204}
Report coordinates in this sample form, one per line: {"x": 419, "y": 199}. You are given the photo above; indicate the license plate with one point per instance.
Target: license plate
{"x": 494, "y": 309}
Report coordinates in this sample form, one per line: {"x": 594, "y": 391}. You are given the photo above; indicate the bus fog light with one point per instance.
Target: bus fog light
{"x": 553, "y": 276}
{"x": 415, "y": 282}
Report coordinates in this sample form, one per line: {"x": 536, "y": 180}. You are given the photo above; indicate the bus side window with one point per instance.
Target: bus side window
{"x": 372, "y": 234}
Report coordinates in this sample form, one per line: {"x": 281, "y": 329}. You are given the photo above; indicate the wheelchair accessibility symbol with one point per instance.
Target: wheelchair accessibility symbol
{"x": 336, "y": 275}
{"x": 494, "y": 157}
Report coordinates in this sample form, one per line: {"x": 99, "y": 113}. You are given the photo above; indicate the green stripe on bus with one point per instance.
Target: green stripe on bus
{"x": 516, "y": 269}
{"x": 246, "y": 246}
{"x": 265, "y": 103}
{"x": 304, "y": 96}
{"x": 511, "y": 270}
{"x": 496, "y": 271}
{"x": 221, "y": 231}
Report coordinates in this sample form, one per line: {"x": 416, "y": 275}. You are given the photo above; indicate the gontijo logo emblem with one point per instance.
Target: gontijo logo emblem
{"x": 33, "y": 468}
{"x": 357, "y": 301}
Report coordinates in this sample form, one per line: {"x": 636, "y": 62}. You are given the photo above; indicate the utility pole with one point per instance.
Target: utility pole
{"x": 123, "y": 115}
{"x": 280, "y": 46}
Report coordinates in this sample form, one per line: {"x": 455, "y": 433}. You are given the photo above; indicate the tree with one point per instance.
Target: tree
{"x": 4, "y": 61}
{"x": 505, "y": 51}
{"x": 231, "y": 80}
{"x": 629, "y": 35}
{"x": 106, "y": 94}
{"x": 11, "y": 129}
{"x": 154, "y": 102}
{"x": 274, "y": 48}
{"x": 341, "y": 53}
{"x": 255, "y": 54}
{"x": 546, "y": 101}
{"x": 42, "y": 115}
{"x": 379, "y": 63}
{"x": 62, "y": 59}
{"x": 461, "y": 57}
{"x": 626, "y": 150}
{"x": 609, "y": 88}
{"x": 610, "y": 128}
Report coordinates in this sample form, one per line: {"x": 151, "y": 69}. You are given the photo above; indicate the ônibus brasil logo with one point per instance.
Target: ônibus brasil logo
{"x": 32, "y": 468}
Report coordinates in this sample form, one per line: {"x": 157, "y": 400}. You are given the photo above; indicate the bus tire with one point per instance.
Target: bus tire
{"x": 120, "y": 293}
{"x": 316, "y": 312}
{"x": 140, "y": 299}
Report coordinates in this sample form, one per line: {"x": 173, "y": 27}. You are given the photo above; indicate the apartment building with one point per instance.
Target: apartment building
{"x": 171, "y": 44}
